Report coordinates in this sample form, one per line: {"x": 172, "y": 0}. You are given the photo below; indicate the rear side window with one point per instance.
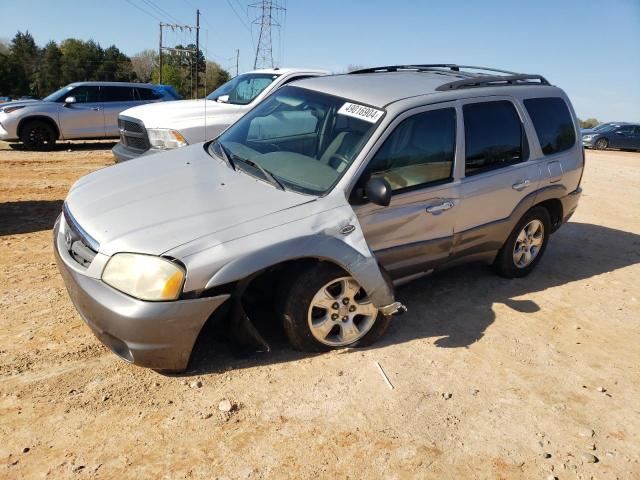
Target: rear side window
{"x": 419, "y": 152}
{"x": 494, "y": 136}
{"x": 148, "y": 94}
{"x": 117, "y": 94}
{"x": 552, "y": 122}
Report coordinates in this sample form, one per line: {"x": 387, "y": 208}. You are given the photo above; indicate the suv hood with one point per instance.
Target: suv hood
{"x": 158, "y": 202}
{"x": 21, "y": 103}
{"x": 172, "y": 114}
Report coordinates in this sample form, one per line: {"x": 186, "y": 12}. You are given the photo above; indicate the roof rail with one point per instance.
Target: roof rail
{"x": 494, "y": 81}
{"x": 444, "y": 67}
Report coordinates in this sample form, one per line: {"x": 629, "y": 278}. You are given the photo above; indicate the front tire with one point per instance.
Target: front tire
{"x": 327, "y": 309}
{"x": 525, "y": 246}
{"x": 38, "y": 135}
{"x": 602, "y": 144}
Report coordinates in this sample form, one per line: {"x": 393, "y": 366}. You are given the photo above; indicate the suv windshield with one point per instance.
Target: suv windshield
{"x": 57, "y": 94}
{"x": 243, "y": 88}
{"x": 303, "y": 139}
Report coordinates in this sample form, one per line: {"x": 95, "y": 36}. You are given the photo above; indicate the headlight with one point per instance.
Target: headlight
{"x": 165, "y": 138}
{"x": 144, "y": 276}
{"x": 587, "y": 137}
{"x": 11, "y": 109}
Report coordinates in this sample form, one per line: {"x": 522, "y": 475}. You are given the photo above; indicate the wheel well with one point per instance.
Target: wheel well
{"x": 42, "y": 118}
{"x": 554, "y": 207}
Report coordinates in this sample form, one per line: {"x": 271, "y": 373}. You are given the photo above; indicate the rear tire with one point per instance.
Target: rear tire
{"x": 314, "y": 324}
{"x": 38, "y": 135}
{"x": 525, "y": 246}
{"x": 602, "y": 144}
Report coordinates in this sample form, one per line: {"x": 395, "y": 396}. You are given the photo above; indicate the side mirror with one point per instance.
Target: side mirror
{"x": 223, "y": 99}
{"x": 378, "y": 191}
{"x": 69, "y": 100}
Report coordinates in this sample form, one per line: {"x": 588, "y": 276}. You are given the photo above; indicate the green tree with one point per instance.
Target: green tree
{"x": 215, "y": 76}
{"x": 22, "y": 62}
{"x": 50, "y": 72}
{"x": 144, "y": 63}
{"x": 80, "y": 60}
{"x": 115, "y": 66}
{"x": 589, "y": 123}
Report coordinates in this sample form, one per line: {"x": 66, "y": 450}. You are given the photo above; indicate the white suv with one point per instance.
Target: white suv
{"x": 149, "y": 130}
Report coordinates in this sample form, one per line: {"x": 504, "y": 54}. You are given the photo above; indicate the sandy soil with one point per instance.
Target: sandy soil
{"x": 493, "y": 378}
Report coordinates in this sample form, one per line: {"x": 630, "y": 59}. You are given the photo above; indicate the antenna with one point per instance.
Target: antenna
{"x": 267, "y": 20}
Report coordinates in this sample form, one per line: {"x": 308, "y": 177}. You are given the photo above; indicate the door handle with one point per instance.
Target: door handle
{"x": 440, "y": 207}
{"x": 521, "y": 185}
{"x": 96, "y": 109}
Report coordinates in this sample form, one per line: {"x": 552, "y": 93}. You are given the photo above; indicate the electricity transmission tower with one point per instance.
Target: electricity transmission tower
{"x": 266, "y": 21}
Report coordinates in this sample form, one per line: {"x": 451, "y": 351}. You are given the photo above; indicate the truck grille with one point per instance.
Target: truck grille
{"x": 133, "y": 135}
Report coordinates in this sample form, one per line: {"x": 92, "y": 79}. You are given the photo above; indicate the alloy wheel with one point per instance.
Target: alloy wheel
{"x": 528, "y": 244}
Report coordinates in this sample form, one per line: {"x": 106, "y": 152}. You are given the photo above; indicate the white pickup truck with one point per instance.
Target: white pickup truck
{"x": 158, "y": 127}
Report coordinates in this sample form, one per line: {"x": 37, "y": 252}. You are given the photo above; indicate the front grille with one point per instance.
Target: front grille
{"x": 133, "y": 135}
{"x": 80, "y": 245}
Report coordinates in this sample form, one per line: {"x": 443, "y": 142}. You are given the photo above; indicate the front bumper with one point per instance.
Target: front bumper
{"x": 587, "y": 142}
{"x": 5, "y": 135}
{"x": 158, "y": 335}
{"x": 122, "y": 153}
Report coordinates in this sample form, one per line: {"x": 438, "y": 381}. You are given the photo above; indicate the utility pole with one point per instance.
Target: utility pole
{"x": 191, "y": 51}
{"x": 237, "y": 59}
{"x": 269, "y": 9}
{"x": 197, "y": 51}
{"x": 160, "y": 55}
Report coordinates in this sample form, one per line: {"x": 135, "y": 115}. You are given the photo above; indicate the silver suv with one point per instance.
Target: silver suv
{"x": 83, "y": 110}
{"x": 321, "y": 198}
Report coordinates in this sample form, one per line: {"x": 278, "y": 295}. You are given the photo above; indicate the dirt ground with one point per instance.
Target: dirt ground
{"x": 493, "y": 378}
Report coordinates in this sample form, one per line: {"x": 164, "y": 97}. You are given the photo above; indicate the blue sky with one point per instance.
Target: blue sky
{"x": 589, "y": 48}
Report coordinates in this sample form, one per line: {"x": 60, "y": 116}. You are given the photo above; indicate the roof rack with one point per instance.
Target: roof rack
{"x": 494, "y": 81}
{"x": 439, "y": 67}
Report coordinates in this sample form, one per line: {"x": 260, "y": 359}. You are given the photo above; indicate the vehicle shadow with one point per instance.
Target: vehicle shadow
{"x": 28, "y": 216}
{"x": 455, "y": 306}
{"x": 75, "y": 146}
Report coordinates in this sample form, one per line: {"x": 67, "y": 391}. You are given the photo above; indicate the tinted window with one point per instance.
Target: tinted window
{"x": 148, "y": 94}
{"x": 84, "y": 94}
{"x": 117, "y": 94}
{"x": 420, "y": 151}
{"x": 552, "y": 122}
{"x": 493, "y": 136}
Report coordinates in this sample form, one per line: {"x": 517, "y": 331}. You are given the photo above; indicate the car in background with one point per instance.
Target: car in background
{"x": 600, "y": 126}
{"x": 83, "y": 110}
{"x": 5, "y": 99}
{"x": 154, "y": 128}
{"x": 614, "y": 135}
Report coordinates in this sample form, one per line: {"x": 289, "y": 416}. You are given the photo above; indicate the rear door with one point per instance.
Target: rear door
{"x": 85, "y": 118}
{"x": 497, "y": 173}
{"x": 116, "y": 99}
{"x": 622, "y": 137}
{"x": 414, "y": 233}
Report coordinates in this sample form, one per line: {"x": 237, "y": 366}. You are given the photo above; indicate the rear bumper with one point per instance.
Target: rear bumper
{"x": 158, "y": 335}
{"x": 570, "y": 203}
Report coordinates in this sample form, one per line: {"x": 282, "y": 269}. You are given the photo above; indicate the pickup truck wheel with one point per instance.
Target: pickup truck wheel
{"x": 602, "y": 144}
{"x": 38, "y": 135}
{"x": 327, "y": 309}
{"x": 524, "y": 248}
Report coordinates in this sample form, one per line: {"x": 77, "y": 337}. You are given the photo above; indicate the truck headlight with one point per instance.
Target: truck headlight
{"x": 146, "y": 277}
{"x": 165, "y": 138}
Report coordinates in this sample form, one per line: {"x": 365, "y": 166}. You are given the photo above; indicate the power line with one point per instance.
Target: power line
{"x": 238, "y": 16}
{"x": 161, "y": 10}
{"x": 143, "y": 10}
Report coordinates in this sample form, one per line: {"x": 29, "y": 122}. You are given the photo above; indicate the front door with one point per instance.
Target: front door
{"x": 622, "y": 137}
{"x": 497, "y": 175}
{"x": 116, "y": 99}
{"x": 84, "y": 118}
{"x": 415, "y": 232}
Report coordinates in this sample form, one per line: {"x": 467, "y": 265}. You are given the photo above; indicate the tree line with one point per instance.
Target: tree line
{"x": 26, "y": 69}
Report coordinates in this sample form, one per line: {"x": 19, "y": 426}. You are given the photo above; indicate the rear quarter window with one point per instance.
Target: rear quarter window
{"x": 552, "y": 122}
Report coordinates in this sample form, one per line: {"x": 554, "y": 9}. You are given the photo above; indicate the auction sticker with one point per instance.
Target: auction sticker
{"x": 354, "y": 110}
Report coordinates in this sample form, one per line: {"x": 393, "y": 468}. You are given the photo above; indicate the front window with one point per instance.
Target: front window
{"x": 242, "y": 89}
{"x": 60, "y": 94}
{"x": 304, "y": 140}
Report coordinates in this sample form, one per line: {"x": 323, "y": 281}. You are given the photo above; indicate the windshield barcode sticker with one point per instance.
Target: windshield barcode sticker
{"x": 367, "y": 114}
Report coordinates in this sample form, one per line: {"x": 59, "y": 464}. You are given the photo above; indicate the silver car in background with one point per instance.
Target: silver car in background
{"x": 320, "y": 199}
{"x": 83, "y": 110}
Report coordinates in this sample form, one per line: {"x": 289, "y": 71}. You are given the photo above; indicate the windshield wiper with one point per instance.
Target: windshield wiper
{"x": 267, "y": 174}
{"x": 224, "y": 154}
